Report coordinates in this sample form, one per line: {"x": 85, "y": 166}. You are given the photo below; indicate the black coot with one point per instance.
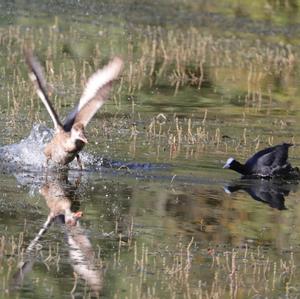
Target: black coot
{"x": 269, "y": 162}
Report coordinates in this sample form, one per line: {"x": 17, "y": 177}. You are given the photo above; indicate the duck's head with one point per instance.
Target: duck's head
{"x": 78, "y": 134}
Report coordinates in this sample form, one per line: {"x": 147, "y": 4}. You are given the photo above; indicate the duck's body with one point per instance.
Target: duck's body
{"x": 269, "y": 162}
{"x": 69, "y": 138}
{"x": 62, "y": 149}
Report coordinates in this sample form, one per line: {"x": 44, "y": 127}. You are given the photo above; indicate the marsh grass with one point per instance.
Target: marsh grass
{"x": 246, "y": 75}
{"x": 181, "y": 270}
{"x": 156, "y": 59}
{"x": 186, "y": 271}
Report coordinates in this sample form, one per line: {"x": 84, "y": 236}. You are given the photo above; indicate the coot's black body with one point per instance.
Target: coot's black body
{"x": 269, "y": 162}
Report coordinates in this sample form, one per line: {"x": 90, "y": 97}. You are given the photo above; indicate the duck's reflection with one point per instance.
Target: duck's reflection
{"x": 271, "y": 192}
{"x": 59, "y": 194}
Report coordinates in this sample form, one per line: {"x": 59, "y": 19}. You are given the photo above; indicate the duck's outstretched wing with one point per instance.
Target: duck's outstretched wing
{"x": 95, "y": 93}
{"x": 37, "y": 77}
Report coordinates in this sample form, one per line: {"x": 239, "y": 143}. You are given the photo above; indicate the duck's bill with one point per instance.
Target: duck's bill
{"x": 83, "y": 139}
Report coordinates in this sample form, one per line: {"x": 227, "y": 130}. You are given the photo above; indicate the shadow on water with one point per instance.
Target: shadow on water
{"x": 60, "y": 198}
{"x": 270, "y": 192}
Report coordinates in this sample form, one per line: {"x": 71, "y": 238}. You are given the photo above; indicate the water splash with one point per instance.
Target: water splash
{"x": 28, "y": 155}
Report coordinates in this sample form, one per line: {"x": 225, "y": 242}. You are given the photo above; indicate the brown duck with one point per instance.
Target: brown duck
{"x": 69, "y": 137}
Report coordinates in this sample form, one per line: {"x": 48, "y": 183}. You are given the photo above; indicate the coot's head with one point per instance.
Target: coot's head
{"x": 236, "y": 166}
{"x": 229, "y": 163}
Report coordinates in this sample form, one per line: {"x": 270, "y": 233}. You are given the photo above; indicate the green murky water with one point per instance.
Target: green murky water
{"x": 203, "y": 80}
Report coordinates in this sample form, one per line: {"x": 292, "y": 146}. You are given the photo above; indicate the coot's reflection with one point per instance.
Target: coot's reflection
{"x": 271, "y": 192}
{"x": 60, "y": 197}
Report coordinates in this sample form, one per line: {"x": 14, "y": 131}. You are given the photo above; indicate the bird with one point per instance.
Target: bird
{"x": 69, "y": 137}
{"x": 269, "y": 162}
{"x": 271, "y": 192}
{"x": 58, "y": 199}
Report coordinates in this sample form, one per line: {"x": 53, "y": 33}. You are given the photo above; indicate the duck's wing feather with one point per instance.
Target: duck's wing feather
{"x": 95, "y": 93}
{"x": 88, "y": 111}
{"x": 37, "y": 77}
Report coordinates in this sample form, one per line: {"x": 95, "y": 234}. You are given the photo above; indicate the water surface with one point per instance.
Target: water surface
{"x": 202, "y": 82}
